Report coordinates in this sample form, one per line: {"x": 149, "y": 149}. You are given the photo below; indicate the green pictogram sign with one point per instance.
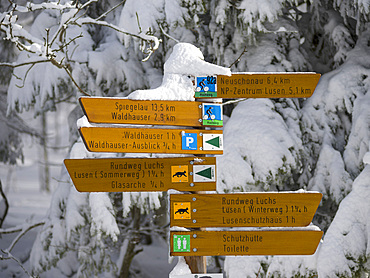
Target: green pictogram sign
{"x": 214, "y": 142}
{"x": 181, "y": 243}
{"x": 207, "y": 173}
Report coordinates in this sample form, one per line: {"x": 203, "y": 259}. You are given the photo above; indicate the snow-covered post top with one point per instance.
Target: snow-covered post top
{"x": 185, "y": 60}
{"x": 366, "y": 158}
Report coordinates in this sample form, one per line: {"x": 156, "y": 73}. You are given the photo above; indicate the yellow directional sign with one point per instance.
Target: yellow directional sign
{"x": 257, "y": 85}
{"x": 152, "y": 140}
{"x": 244, "y": 243}
{"x": 139, "y": 174}
{"x": 245, "y": 209}
{"x": 151, "y": 112}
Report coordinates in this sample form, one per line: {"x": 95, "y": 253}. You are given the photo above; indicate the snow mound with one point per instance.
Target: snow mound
{"x": 185, "y": 60}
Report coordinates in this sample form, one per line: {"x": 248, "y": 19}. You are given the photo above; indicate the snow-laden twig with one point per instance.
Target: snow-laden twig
{"x": 234, "y": 101}
{"x": 70, "y": 14}
{"x": 151, "y": 41}
{"x": 240, "y": 56}
{"x": 111, "y": 10}
{"x": 11, "y": 257}
{"x": 16, "y": 65}
{"x": 22, "y": 229}
{"x": 166, "y": 34}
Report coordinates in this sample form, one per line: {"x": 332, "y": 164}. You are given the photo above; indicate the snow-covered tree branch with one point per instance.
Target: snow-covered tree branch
{"x": 58, "y": 42}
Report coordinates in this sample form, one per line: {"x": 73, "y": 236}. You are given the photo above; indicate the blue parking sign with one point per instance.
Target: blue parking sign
{"x": 189, "y": 141}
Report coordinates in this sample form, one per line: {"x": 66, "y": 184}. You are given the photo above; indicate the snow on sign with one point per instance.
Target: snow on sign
{"x": 238, "y": 243}
{"x": 146, "y": 112}
{"x": 208, "y": 275}
{"x": 283, "y": 209}
{"x": 149, "y": 140}
{"x": 138, "y": 174}
{"x": 257, "y": 85}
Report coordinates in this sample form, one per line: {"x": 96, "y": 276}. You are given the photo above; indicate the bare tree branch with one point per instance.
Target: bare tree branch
{"x": 112, "y": 9}
{"x": 240, "y": 56}
{"x": 10, "y": 256}
{"x": 20, "y": 228}
{"x": 6, "y": 205}
{"x": 167, "y": 35}
{"x": 16, "y": 65}
{"x": 75, "y": 14}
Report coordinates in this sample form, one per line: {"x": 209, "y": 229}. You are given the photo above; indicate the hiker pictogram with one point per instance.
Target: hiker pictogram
{"x": 202, "y": 85}
{"x": 209, "y": 113}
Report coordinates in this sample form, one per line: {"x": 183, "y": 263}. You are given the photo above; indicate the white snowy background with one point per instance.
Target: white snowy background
{"x": 319, "y": 144}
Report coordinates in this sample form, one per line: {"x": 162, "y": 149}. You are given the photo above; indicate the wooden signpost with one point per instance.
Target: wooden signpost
{"x": 199, "y": 275}
{"x": 197, "y": 174}
{"x": 143, "y": 174}
{"x": 151, "y": 112}
{"x": 152, "y": 140}
{"x": 244, "y": 209}
{"x": 257, "y": 85}
{"x": 244, "y": 243}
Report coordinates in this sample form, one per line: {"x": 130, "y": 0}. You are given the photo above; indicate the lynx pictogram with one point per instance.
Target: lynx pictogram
{"x": 180, "y": 174}
{"x": 182, "y": 211}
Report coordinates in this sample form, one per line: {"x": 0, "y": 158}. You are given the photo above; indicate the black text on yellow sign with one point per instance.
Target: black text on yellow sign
{"x": 152, "y": 140}
{"x": 270, "y": 209}
{"x": 244, "y": 243}
{"x": 151, "y": 112}
{"x": 257, "y": 85}
{"x": 140, "y": 174}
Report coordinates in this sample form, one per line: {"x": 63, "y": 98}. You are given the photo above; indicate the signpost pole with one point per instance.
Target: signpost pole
{"x": 198, "y": 264}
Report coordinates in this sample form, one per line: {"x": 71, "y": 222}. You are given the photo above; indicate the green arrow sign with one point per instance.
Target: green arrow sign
{"x": 212, "y": 141}
{"x": 207, "y": 173}
{"x": 204, "y": 173}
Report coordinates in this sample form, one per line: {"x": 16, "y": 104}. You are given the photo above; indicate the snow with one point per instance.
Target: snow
{"x": 181, "y": 268}
{"x": 185, "y": 60}
{"x": 347, "y": 237}
{"x": 267, "y": 140}
{"x": 103, "y": 215}
{"x": 254, "y": 150}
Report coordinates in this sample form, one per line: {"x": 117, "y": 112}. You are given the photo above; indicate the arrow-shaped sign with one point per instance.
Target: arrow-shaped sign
{"x": 141, "y": 174}
{"x": 245, "y": 243}
{"x": 151, "y": 112}
{"x": 149, "y": 140}
{"x": 257, "y": 85}
{"x": 247, "y": 209}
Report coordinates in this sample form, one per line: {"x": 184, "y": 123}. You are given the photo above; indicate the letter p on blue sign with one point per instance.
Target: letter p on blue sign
{"x": 189, "y": 141}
